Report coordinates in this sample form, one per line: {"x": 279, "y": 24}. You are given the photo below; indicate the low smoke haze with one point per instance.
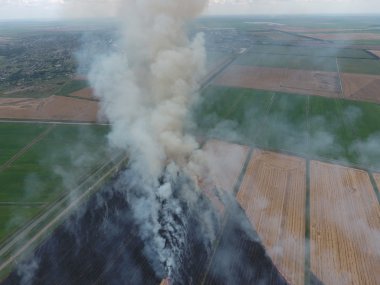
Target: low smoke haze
{"x": 53, "y": 9}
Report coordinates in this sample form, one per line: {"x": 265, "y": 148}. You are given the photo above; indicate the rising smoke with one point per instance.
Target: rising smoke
{"x": 146, "y": 87}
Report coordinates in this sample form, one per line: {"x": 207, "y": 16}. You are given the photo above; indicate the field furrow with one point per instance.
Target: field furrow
{"x": 345, "y": 225}
{"x": 273, "y": 195}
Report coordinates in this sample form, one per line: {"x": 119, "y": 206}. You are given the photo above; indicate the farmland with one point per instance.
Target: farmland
{"x": 335, "y": 129}
{"x": 318, "y": 137}
{"x": 273, "y": 196}
{"x": 361, "y": 87}
{"x": 41, "y": 174}
{"x": 291, "y": 124}
{"x": 282, "y": 80}
{"x": 377, "y": 179}
{"x": 344, "y": 221}
{"x": 59, "y": 108}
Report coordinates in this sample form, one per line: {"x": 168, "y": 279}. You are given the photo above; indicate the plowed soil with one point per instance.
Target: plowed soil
{"x": 51, "y": 108}
{"x": 273, "y": 195}
{"x": 281, "y": 79}
{"x": 345, "y": 225}
{"x": 361, "y": 87}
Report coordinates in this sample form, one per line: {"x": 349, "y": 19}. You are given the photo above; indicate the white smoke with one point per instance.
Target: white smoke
{"x": 146, "y": 86}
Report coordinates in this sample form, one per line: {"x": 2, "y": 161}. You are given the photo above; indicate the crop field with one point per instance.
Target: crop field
{"x": 41, "y": 174}
{"x": 11, "y": 140}
{"x": 344, "y": 223}
{"x": 377, "y": 179}
{"x": 281, "y": 79}
{"x": 319, "y": 127}
{"x": 361, "y": 66}
{"x": 361, "y": 87}
{"x": 288, "y": 61}
{"x": 311, "y": 51}
{"x": 273, "y": 195}
{"x": 225, "y": 162}
{"x": 345, "y": 36}
{"x": 59, "y": 108}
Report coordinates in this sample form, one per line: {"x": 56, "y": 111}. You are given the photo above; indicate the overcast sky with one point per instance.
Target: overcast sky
{"x": 43, "y": 9}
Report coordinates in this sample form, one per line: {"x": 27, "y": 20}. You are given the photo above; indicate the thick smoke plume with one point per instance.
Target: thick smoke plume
{"x": 146, "y": 86}
{"x": 148, "y": 83}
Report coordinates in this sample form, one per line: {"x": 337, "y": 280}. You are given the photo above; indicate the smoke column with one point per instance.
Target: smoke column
{"x": 148, "y": 83}
{"x": 146, "y": 86}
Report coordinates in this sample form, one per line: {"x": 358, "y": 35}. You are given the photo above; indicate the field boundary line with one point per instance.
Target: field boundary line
{"x": 208, "y": 80}
{"x": 307, "y": 269}
{"x": 340, "y": 78}
{"x": 374, "y": 185}
{"x": 243, "y": 171}
{"x": 25, "y": 149}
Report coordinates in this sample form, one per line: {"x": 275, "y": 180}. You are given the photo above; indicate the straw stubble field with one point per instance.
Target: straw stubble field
{"x": 273, "y": 195}
{"x": 305, "y": 82}
{"x": 345, "y": 224}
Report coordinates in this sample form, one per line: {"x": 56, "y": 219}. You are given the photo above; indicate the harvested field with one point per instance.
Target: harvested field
{"x": 375, "y": 52}
{"x": 281, "y": 79}
{"x": 225, "y": 161}
{"x": 344, "y": 36}
{"x": 273, "y": 195}
{"x": 361, "y": 87}
{"x": 86, "y": 93}
{"x": 51, "y": 108}
{"x": 345, "y": 225}
{"x": 377, "y": 179}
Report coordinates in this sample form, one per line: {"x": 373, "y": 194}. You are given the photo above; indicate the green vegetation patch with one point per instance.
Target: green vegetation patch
{"x": 14, "y": 137}
{"x": 14, "y": 217}
{"x": 314, "y": 51}
{"x": 288, "y": 61}
{"x": 72, "y": 86}
{"x": 286, "y": 126}
{"x": 366, "y": 66}
{"x": 58, "y": 163}
{"x": 317, "y": 127}
{"x": 233, "y": 112}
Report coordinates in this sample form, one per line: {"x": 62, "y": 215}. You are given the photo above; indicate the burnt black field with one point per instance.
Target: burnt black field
{"x": 100, "y": 244}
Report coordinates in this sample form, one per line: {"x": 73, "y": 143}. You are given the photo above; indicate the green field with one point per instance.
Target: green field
{"x": 13, "y": 139}
{"x": 365, "y": 66}
{"x": 317, "y": 127}
{"x": 50, "y": 168}
{"x": 288, "y": 61}
{"x": 72, "y": 86}
{"x": 317, "y": 51}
